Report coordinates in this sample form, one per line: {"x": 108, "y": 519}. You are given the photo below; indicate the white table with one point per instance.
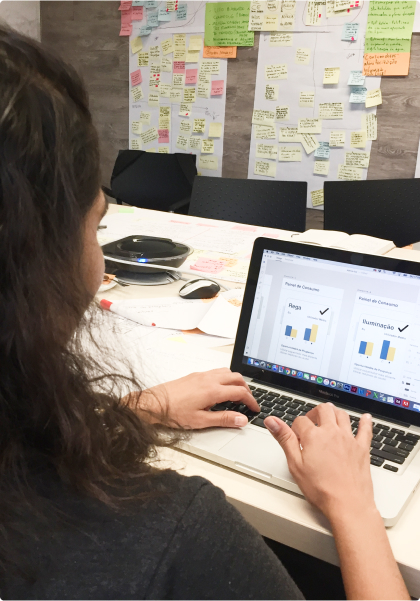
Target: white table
{"x": 280, "y": 515}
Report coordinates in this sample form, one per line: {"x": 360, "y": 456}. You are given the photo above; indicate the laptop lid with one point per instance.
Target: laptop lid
{"x": 335, "y": 325}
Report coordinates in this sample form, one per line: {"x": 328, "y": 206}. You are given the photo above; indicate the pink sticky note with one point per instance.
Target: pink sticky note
{"x": 125, "y": 5}
{"x": 208, "y": 266}
{"x": 177, "y": 221}
{"x": 245, "y": 228}
{"x": 217, "y": 87}
{"x": 137, "y": 13}
{"x": 191, "y": 76}
{"x": 126, "y": 30}
{"x": 179, "y": 67}
{"x": 126, "y": 17}
{"x": 136, "y": 77}
{"x": 163, "y": 136}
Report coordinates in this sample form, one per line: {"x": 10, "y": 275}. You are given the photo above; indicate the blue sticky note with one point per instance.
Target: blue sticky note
{"x": 350, "y": 32}
{"x": 358, "y": 95}
{"x": 151, "y": 3}
{"x": 145, "y": 30}
{"x": 323, "y": 151}
{"x": 163, "y": 15}
{"x": 356, "y": 78}
{"x": 138, "y": 2}
{"x": 153, "y": 19}
{"x": 181, "y": 13}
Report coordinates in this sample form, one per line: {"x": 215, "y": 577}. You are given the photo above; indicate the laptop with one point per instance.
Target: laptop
{"x": 319, "y": 324}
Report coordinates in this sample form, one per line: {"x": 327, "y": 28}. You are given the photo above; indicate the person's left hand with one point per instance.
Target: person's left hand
{"x": 188, "y": 400}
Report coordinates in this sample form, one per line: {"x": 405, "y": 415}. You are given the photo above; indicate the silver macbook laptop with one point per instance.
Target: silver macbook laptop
{"x": 319, "y": 324}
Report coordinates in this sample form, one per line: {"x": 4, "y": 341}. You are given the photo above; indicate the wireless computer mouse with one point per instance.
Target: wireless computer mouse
{"x": 199, "y": 289}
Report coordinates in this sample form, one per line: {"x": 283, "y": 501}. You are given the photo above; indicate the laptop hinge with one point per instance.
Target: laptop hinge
{"x": 341, "y": 405}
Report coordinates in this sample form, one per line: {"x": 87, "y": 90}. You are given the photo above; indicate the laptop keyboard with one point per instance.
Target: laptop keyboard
{"x": 390, "y": 447}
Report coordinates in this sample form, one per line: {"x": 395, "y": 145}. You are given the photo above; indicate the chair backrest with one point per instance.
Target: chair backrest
{"x": 152, "y": 180}
{"x": 388, "y": 209}
{"x": 256, "y": 202}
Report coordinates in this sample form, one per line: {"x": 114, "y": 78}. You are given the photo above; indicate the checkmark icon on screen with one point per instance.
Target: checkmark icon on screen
{"x": 322, "y": 312}
{"x": 402, "y": 329}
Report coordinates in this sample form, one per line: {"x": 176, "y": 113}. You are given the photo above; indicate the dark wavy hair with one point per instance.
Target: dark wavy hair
{"x": 56, "y": 401}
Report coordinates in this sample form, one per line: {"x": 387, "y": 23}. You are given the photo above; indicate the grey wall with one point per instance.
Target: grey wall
{"x": 22, "y": 15}
{"x": 86, "y": 34}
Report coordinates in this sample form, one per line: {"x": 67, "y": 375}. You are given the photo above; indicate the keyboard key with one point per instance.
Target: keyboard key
{"x": 293, "y": 412}
{"x": 378, "y": 438}
{"x": 413, "y": 436}
{"x": 286, "y": 398}
{"x": 383, "y": 426}
{"x": 299, "y": 402}
{"x": 310, "y": 406}
{"x": 376, "y": 430}
{"x": 397, "y": 431}
{"x": 387, "y": 456}
{"x": 264, "y": 413}
{"x": 257, "y": 394}
{"x": 391, "y": 468}
{"x": 376, "y": 461}
{"x": 406, "y": 447}
{"x": 266, "y": 403}
{"x": 376, "y": 445}
{"x": 395, "y": 451}
{"x": 390, "y": 441}
{"x": 258, "y": 422}
{"x": 277, "y": 414}
{"x": 354, "y": 418}
{"x": 251, "y": 387}
{"x": 280, "y": 403}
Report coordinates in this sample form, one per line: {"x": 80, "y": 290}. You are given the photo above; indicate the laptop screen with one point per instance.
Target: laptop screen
{"x": 342, "y": 326}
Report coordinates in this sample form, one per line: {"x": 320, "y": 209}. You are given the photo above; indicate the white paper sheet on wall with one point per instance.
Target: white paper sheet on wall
{"x": 325, "y": 50}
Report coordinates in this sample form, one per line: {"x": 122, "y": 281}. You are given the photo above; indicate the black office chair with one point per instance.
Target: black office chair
{"x": 388, "y": 209}
{"x": 274, "y": 204}
{"x": 148, "y": 180}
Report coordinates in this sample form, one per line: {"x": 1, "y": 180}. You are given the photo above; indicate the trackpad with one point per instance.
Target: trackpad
{"x": 258, "y": 450}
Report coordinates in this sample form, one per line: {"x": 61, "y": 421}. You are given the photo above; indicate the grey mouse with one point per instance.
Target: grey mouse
{"x": 199, "y": 289}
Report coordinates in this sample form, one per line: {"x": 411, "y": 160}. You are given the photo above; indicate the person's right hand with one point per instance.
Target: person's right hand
{"x": 330, "y": 465}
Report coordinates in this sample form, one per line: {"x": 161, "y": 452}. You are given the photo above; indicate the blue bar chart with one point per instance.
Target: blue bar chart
{"x": 290, "y": 332}
{"x": 387, "y": 351}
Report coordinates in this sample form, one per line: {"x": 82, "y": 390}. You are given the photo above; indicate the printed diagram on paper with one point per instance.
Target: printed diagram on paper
{"x": 309, "y": 124}
{"x": 177, "y": 97}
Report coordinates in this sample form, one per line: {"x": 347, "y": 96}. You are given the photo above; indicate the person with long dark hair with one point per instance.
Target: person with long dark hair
{"x": 85, "y": 510}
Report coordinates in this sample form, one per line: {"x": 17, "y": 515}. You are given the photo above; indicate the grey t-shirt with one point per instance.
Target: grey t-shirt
{"x": 189, "y": 543}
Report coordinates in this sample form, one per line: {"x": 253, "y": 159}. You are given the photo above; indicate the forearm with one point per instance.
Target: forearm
{"x": 367, "y": 563}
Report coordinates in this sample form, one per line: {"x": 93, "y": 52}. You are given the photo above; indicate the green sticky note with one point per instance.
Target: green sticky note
{"x": 390, "y": 20}
{"x": 378, "y": 46}
{"x": 227, "y": 24}
{"x": 126, "y": 210}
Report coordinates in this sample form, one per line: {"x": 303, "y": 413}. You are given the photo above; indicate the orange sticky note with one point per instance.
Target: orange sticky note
{"x": 386, "y": 63}
{"x": 219, "y": 52}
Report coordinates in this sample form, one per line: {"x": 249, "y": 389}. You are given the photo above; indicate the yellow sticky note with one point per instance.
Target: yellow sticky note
{"x": 321, "y": 167}
{"x": 163, "y": 149}
{"x": 166, "y": 64}
{"x": 199, "y": 125}
{"x": 278, "y": 71}
{"x": 192, "y": 56}
{"x": 165, "y": 90}
{"x": 309, "y": 126}
{"x": 136, "y": 45}
{"x": 149, "y": 136}
{"x": 281, "y": 39}
{"x": 289, "y": 134}
{"x": 194, "y": 143}
{"x": 136, "y": 127}
{"x": 261, "y": 117}
{"x": 210, "y": 66}
{"x": 207, "y": 146}
{"x": 137, "y": 93}
{"x": 145, "y": 117}
{"x": 180, "y": 54}
{"x": 189, "y": 95}
{"x": 185, "y": 109}
{"x": 266, "y": 151}
{"x": 290, "y": 153}
{"x": 154, "y": 52}
{"x": 317, "y": 197}
{"x": 331, "y": 110}
{"x": 167, "y": 46}
{"x": 210, "y": 163}
{"x": 153, "y": 99}
{"x": 373, "y": 98}
{"x": 135, "y": 144}
{"x": 265, "y": 132}
{"x": 303, "y": 56}
{"x": 265, "y": 168}
{"x": 185, "y": 126}
{"x": 176, "y": 95}
{"x": 282, "y": 113}
{"x": 306, "y": 99}
{"x": 151, "y": 150}
{"x": 349, "y": 173}
{"x": 270, "y": 22}
{"x": 180, "y": 40}
{"x": 357, "y": 139}
{"x": 271, "y": 92}
{"x": 337, "y": 138}
{"x": 331, "y": 75}
{"x": 143, "y": 59}
{"x": 178, "y": 80}
{"x": 370, "y": 126}
{"x": 182, "y": 142}
{"x": 357, "y": 159}
{"x": 195, "y": 43}
{"x": 215, "y": 130}
{"x": 309, "y": 143}
{"x": 203, "y": 90}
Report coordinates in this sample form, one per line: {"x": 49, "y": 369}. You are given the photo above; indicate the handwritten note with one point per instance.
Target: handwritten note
{"x": 182, "y": 142}
{"x": 290, "y": 153}
{"x": 321, "y": 167}
{"x": 192, "y": 56}
{"x": 135, "y": 144}
{"x": 317, "y": 197}
{"x": 350, "y": 32}
{"x": 185, "y": 109}
{"x": 331, "y": 110}
{"x": 370, "y": 126}
{"x": 309, "y": 143}
{"x": 167, "y": 46}
{"x": 150, "y": 135}
{"x": 219, "y": 52}
{"x": 181, "y": 13}
{"x": 215, "y": 130}
{"x": 136, "y": 77}
{"x": 163, "y": 136}
{"x": 136, "y": 127}
{"x": 189, "y": 95}
{"x": 199, "y": 125}
{"x": 358, "y": 95}
{"x": 166, "y": 64}
{"x": 203, "y": 90}
{"x": 143, "y": 59}
{"x": 357, "y": 139}
{"x": 185, "y": 126}
{"x": 373, "y": 98}
{"x": 323, "y": 151}
{"x": 289, "y": 134}
{"x": 303, "y": 56}
{"x": 137, "y": 93}
{"x": 217, "y": 87}
{"x": 266, "y": 151}
{"x": 210, "y": 66}
{"x": 349, "y": 173}
{"x": 282, "y": 113}
{"x": 178, "y": 80}
{"x": 265, "y": 132}
{"x": 226, "y": 24}
{"x": 153, "y": 99}
{"x": 356, "y": 78}
{"x": 268, "y": 169}
{"x": 210, "y": 163}
{"x": 191, "y": 76}
{"x": 337, "y": 139}
{"x": 357, "y": 159}
{"x": 176, "y": 95}
{"x": 331, "y": 75}
{"x": 207, "y": 146}
{"x": 179, "y": 67}
{"x": 281, "y": 39}
{"x": 271, "y": 92}
{"x": 306, "y": 99}
{"x": 194, "y": 143}
{"x": 278, "y": 71}
{"x": 309, "y": 126}
{"x": 262, "y": 117}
